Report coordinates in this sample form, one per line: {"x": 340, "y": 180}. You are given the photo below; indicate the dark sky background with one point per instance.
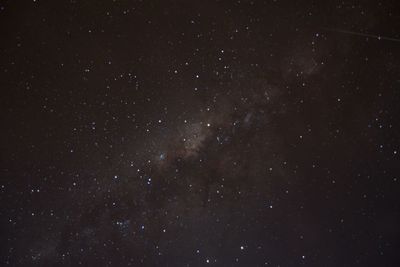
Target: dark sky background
{"x": 200, "y": 133}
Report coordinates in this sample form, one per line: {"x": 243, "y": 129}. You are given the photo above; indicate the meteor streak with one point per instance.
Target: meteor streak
{"x": 363, "y": 34}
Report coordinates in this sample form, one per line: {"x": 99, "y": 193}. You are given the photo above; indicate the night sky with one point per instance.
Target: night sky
{"x": 200, "y": 133}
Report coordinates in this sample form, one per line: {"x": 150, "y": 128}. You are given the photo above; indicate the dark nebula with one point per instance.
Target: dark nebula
{"x": 200, "y": 133}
